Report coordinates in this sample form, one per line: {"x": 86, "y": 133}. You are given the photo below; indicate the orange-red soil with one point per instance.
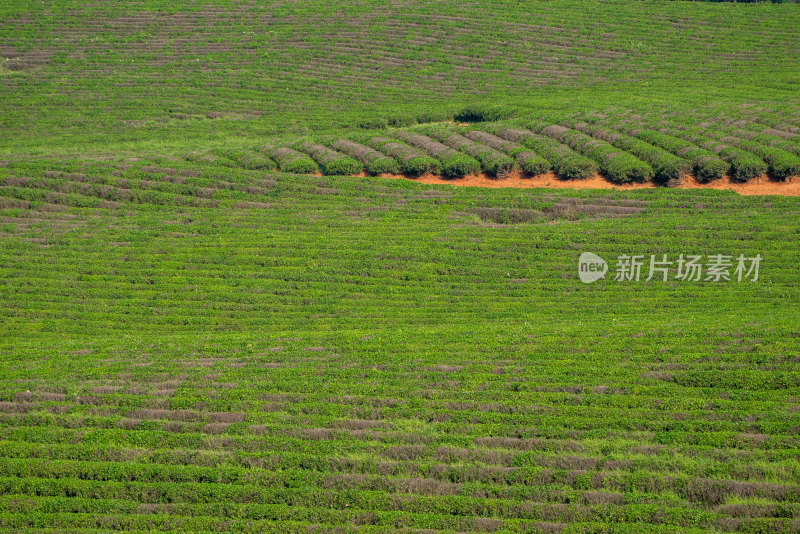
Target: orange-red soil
{"x": 757, "y": 186}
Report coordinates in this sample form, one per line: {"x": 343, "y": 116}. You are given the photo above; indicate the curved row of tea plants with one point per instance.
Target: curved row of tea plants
{"x": 455, "y": 164}
{"x": 530, "y": 162}
{"x": 618, "y": 165}
{"x": 666, "y": 166}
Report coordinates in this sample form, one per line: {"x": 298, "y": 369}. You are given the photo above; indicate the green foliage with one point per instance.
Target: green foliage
{"x": 566, "y": 163}
{"x": 665, "y": 165}
{"x": 400, "y": 121}
{"x": 706, "y": 165}
{"x": 289, "y": 375}
{"x": 330, "y": 161}
{"x": 433, "y": 116}
{"x": 382, "y": 166}
{"x": 190, "y": 342}
{"x": 492, "y": 161}
{"x": 290, "y": 160}
{"x": 374, "y": 161}
{"x": 743, "y": 165}
{"x": 247, "y": 159}
{"x": 782, "y": 164}
{"x": 527, "y": 160}
{"x": 191, "y": 345}
{"x": 483, "y": 113}
{"x": 617, "y": 165}
{"x": 458, "y": 166}
{"x": 454, "y": 164}
{"x": 410, "y": 160}
{"x": 373, "y": 123}
{"x": 532, "y": 163}
{"x": 300, "y": 166}
{"x": 370, "y": 60}
{"x": 789, "y": 145}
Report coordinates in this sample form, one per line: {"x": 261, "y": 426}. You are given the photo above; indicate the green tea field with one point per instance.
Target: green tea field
{"x": 242, "y": 290}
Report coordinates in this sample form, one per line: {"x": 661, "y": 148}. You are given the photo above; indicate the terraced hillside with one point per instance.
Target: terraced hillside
{"x": 74, "y": 72}
{"x": 221, "y": 312}
{"x": 191, "y": 347}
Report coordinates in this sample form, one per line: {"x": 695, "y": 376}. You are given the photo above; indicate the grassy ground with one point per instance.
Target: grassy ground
{"x": 382, "y": 354}
{"x": 165, "y": 73}
{"x": 196, "y": 346}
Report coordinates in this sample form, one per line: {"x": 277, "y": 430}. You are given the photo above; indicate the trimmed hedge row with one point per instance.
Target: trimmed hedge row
{"x": 782, "y": 164}
{"x": 290, "y": 160}
{"x": 566, "y": 163}
{"x": 330, "y": 161}
{"x": 529, "y": 161}
{"x": 666, "y": 166}
{"x": 743, "y": 165}
{"x": 706, "y": 166}
{"x": 789, "y": 145}
{"x": 784, "y": 144}
{"x": 246, "y": 159}
{"x": 374, "y": 161}
{"x": 619, "y": 166}
{"x": 410, "y": 160}
{"x": 492, "y": 162}
{"x": 455, "y": 164}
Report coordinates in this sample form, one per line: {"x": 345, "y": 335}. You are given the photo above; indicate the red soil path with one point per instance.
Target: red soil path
{"x": 757, "y": 186}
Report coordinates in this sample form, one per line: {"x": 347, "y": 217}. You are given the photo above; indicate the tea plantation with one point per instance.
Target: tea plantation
{"x": 228, "y": 303}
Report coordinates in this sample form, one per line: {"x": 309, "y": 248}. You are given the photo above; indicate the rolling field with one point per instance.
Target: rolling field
{"x": 217, "y": 350}
{"x": 159, "y": 73}
{"x": 221, "y": 312}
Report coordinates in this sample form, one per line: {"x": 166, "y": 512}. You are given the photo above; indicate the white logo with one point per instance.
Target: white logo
{"x": 591, "y": 267}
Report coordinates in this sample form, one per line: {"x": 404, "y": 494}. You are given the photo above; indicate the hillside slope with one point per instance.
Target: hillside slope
{"x": 193, "y": 348}
{"x": 105, "y": 72}
{"x": 217, "y": 314}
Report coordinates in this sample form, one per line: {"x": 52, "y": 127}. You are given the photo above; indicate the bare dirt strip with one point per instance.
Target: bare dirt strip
{"x": 757, "y": 186}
